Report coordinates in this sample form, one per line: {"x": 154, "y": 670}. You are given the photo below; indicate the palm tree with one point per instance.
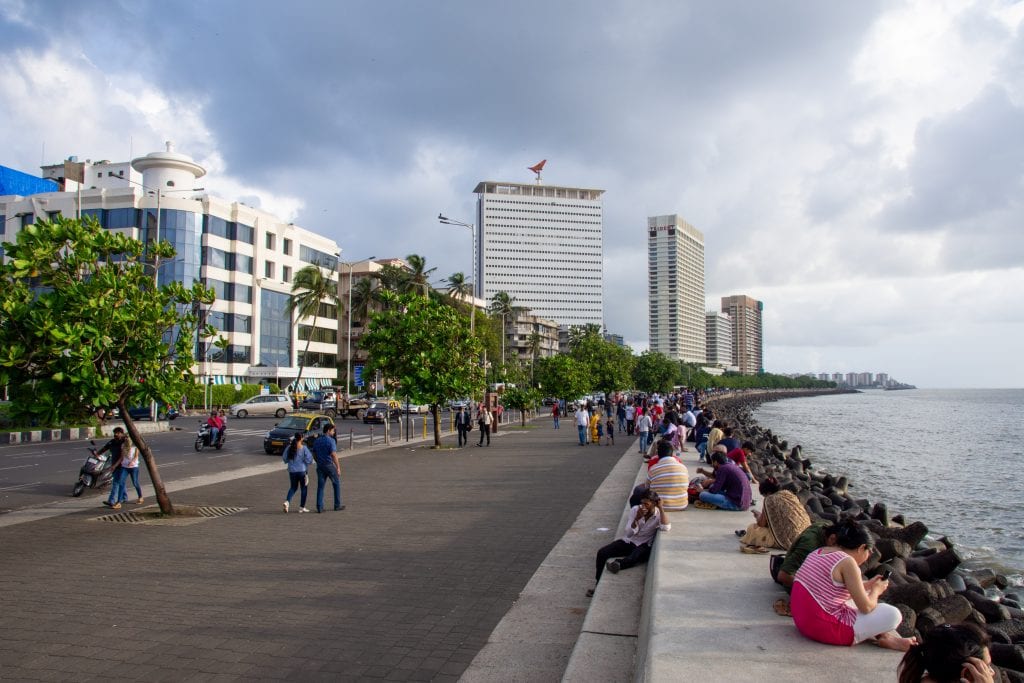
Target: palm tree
{"x": 309, "y": 289}
{"x": 504, "y": 304}
{"x": 364, "y": 293}
{"x": 419, "y": 275}
{"x": 459, "y": 287}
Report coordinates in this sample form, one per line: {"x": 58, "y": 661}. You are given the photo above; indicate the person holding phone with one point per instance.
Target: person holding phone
{"x": 949, "y": 654}
{"x": 826, "y": 583}
{"x": 645, "y": 520}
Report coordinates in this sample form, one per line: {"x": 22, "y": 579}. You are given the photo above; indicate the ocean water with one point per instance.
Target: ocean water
{"x": 951, "y": 458}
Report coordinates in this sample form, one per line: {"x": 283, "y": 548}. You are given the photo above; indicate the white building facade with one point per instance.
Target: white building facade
{"x": 247, "y": 256}
{"x": 542, "y": 244}
{"x": 675, "y": 285}
{"x": 718, "y": 328}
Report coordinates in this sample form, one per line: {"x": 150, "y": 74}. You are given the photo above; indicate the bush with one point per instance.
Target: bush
{"x": 224, "y": 395}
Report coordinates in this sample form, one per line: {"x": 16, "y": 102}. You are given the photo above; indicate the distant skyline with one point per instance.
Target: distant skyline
{"x": 858, "y": 167}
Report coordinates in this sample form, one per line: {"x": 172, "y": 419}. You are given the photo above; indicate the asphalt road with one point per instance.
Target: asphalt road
{"x": 35, "y": 474}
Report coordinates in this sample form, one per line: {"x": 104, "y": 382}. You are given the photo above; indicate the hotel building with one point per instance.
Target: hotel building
{"x": 543, "y": 244}
{"x": 719, "y": 339}
{"x": 747, "y": 337}
{"x": 247, "y": 256}
{"x": 675, "y": 285}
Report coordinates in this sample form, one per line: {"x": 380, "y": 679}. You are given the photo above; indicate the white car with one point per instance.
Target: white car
{"x": 275, "y": 405}
{"x": 415, "y": 408}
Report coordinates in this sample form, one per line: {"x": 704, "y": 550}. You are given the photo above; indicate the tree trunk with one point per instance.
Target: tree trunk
{"x": 435, "y": 411}
{"x": 147, "y": 454}
{"x": 304, "y": 355}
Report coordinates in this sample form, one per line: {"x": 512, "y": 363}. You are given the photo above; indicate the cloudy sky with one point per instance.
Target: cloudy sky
{"x": 857, "y": 166}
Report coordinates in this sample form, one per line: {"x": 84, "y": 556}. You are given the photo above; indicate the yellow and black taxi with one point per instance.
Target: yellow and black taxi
{"x": 307, "y": 424}
{"x": 383, "y": 409}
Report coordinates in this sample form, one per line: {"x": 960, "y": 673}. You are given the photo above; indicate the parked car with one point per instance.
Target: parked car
{"x": 460, "y": 403}
{"x": 307, "y": 424}
{"x": 415, "y": 408}
{"x": 381, "y": 410}
{"x": 276, "y": 405}
{"x": 143, "y": 413}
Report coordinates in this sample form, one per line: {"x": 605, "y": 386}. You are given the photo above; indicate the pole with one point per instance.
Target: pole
{"x": 156, "y": 281}
{"x": 348, "y": 339}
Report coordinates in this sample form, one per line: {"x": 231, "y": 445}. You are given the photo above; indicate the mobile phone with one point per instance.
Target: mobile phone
{"x": 886, "y": 573}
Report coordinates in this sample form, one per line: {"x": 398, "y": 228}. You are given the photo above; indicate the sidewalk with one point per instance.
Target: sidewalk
{"x": 407, "y": 583}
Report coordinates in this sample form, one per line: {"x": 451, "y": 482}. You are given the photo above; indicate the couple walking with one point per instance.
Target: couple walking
{"x": 298, "y": 457}
{"x": 464, "y": 425}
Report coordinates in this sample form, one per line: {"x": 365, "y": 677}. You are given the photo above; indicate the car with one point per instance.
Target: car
{"x": 415, "y": 408}
{"x": 460, "y": 403}
{"x": 378, "y": 409}
{"x": 143, "y": 412}
{"x": 307, "y": 424}
{"x": 276, "y": 405}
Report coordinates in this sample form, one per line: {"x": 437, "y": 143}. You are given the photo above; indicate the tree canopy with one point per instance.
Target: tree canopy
{"x": 83, "y": 326}
{"x": 654, "y": 371}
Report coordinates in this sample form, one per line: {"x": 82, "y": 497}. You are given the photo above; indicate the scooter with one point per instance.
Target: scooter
{"x": 96, "y": 473}
{"x": 203, "y": 437}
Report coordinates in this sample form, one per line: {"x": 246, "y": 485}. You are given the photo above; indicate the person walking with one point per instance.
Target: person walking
{"x": 484, "y": 420}
{"x": 620, "y": 413}
{"x": 130, "y": 465}
{"x": 555, "y": 414}
{"x": 582, "y": 423}
{"x": 325, "y": 452}
{"x": 610, "y": 429}
{"x": 463, "y": 425}
{"x": 116, "y": 446}
{"x": 298, "y": 458}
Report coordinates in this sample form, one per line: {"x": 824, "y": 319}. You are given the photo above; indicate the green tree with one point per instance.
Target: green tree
{"x": 561, "y": 376}
{"x": 654, "y": 371}
{"x": 608, "y": 366}
{"x": 427, "y": 348}
{"x": 419, "y": 275}
{"x": 82, "y": 323}
{"x": 521, "y": 398}
{"x": 364, "y": 294}
{"x": 309, "y": 289}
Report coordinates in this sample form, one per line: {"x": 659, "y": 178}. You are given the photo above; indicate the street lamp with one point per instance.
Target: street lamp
{"x": 348, "y": 338}
{"x": 472, "y": 229}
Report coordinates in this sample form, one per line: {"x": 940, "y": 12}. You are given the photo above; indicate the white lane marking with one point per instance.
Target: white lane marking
{"x": 171, "y": 464}
{"x": 20, "y": 486}
{"x": 19, "y": 467}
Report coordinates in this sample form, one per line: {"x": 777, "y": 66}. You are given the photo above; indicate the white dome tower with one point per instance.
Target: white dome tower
{"x": 168, "y": 170}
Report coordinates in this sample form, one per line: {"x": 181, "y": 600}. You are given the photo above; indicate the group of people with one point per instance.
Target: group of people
{"x": 298, "y": 457}
{"x": 486, "y": 420}
{"x": 125, "y": 460}
{"x": 591, "y": 425}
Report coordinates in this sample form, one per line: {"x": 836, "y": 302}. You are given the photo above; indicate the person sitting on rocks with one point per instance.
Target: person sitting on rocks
{"x": 645, "y": 520}
{"x": 730, "y": 442}
{"x": 730, "y": 489}
{"x": 739, "y": 456}
{"x": 826, "y": 583}
{"x": 782, "y": 519}
{"x": 949, "y": 654}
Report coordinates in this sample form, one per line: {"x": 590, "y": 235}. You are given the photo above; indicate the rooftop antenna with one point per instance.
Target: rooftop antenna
{"x": 537, "y": 168}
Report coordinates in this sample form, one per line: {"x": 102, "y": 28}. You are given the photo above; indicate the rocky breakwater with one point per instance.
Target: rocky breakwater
{"x": 928, "y": 581}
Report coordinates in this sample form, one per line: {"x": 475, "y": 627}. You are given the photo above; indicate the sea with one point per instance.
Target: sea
{"x": 951, "y": 458}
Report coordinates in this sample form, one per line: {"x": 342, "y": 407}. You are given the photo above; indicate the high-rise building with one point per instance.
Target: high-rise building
{"x": 247, "y": 256}
{"x": 675, "y": 286}
{"x": 543, "y": 245}
{"x": 719, "y": 339}
{"x": 747, "y": 336}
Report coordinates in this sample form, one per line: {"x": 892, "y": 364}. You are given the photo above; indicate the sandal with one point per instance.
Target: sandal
{"x": 705, "y": 506}
{"x": 753, "y": 549}
{"x": 781, "y": 607}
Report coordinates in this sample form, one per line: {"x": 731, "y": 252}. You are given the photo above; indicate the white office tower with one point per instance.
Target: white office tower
{"x": 719, "y": 339}
{"x": 675, "y": 284}
{"x": 543, "y": 245}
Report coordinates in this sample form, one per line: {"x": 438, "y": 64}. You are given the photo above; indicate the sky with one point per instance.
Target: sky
{"x": 857, "y": 166}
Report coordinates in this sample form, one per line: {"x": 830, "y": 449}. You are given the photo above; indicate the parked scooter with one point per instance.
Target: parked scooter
{"x": 203, "y": 437}
{"x": 96, "y": 473}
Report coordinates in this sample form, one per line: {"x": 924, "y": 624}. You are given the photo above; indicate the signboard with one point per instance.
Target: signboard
{"x": 359, "y": 375}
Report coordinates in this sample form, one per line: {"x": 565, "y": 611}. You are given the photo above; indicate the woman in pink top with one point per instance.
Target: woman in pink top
{"x": 831, "y": 602}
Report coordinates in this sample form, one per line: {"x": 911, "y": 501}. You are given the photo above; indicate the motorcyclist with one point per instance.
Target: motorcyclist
{"x": 216, "y": 424}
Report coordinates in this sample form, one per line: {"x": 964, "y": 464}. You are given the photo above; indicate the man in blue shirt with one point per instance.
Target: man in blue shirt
{"x": 730, "y": 489}
{"x": 325, "y": 453}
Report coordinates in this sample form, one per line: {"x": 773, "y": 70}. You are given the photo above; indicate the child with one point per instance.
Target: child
{"x": 600, "y": 431}
{"x": 610, "y": 426}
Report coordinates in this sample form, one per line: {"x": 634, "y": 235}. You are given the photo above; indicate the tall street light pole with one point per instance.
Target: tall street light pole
{"x": 473, "y": 262}
{"x": 348, "y": 338}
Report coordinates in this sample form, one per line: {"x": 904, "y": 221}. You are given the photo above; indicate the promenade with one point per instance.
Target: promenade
{"x": 407, "y": 583}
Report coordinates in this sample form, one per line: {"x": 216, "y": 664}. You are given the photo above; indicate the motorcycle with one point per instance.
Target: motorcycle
{"x": 203, "y": 437}
{"x": 96, "y": 473}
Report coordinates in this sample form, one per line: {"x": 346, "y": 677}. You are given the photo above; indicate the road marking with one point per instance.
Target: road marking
{"x": 20, "y": 486}
{"x": 19, "y": 467}
{"x": 172, "y": 464}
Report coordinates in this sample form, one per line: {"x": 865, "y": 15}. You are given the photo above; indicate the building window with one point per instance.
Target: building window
{"x": 287, "y": 247}
{"x": 270, "y": 240}
{"x": 286, "y": 273}
{"x": 275, "y": 329}
{"x": 268, "y": 269}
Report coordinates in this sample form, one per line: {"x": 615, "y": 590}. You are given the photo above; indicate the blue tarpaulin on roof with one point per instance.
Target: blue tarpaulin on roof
{"x": 16, "y": 182}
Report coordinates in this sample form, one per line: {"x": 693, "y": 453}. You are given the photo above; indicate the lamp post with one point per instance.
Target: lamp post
{"x": 472, "y": 229}
{"x": 348, "y": 337}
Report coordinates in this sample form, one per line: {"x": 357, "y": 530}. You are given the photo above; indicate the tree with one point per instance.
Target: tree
{"x": 521, "y": 398}
{"x": 561, "y": 376}
{"x": 364, "y": 294}
{"x": 459, "y": 288}
{"x": 654, "y": 371}
{"x": 83, "y": 324}
{"x": 309, "y": 289}
{"x": 426, "y": 346}
{"x": 419, "y": 274}
{"x": 504, "y": 305}
{"x": 608, "y": 366}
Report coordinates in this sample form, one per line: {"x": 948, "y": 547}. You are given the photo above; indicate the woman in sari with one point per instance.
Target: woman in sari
{"x": 781, "y": 520}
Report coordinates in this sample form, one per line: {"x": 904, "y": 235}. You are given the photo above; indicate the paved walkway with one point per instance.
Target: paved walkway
{"x": 406, "y": 584}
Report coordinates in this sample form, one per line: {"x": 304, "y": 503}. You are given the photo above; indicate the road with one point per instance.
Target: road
{"x": 34, "y": 474}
